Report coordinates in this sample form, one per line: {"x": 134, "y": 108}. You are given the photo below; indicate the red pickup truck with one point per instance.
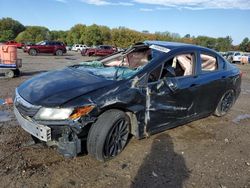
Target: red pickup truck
{"x": 14, "y": 43}
{"x": 101, "y": 50}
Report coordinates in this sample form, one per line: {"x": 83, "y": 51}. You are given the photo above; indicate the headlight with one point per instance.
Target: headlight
{"x": 62, "y": 113}
{"x": 53, "y": 113}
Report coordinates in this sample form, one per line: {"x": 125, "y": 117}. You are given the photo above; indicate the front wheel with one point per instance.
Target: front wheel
{"x": 109, "y": 135}
{"x": 225, "y": 103}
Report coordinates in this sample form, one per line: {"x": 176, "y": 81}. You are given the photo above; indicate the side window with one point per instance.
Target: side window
{"x": 181, "y": 65}
{"x": 208, "y": 63}
{"x": 177, "y": 66}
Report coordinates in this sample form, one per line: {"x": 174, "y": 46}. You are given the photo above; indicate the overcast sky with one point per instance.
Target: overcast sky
{"x": 215, "y": 18}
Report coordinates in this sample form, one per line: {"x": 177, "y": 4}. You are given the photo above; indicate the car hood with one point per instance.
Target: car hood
{"x": 55, "y": 88}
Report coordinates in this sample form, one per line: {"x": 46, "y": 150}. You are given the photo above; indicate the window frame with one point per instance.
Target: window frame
{"x": 220, "y": 67}
{"x": 194, "y": 71}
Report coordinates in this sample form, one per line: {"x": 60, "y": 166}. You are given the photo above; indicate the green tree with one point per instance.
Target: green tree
{"x": 244, "y": 45}
{"x": 9, "y": 29}
{"x": 165, "y": 36}
{"x": 93, "y": 35}
{"x": 34, "y": 34}
{"x": 124, "y": 37}
{"x": 205, "y": 41}
{"x": 106, "y": 34}
{"x": 59, "y": 35}
{"x": 224, "y": 44}
{"x": 76, "y": 35}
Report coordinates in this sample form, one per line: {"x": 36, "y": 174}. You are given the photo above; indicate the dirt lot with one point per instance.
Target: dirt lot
{"x": 211, "y": 152}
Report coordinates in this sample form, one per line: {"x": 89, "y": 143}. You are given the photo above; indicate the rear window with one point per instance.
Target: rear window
{"x": 208, "y": 63}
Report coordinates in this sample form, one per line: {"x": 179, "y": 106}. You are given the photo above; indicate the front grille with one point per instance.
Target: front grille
{"x": 25, "y": 108}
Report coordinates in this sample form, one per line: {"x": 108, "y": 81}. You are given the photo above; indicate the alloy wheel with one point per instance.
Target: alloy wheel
{"x": 227, "y": 101}
{"x": 116, "y": 139}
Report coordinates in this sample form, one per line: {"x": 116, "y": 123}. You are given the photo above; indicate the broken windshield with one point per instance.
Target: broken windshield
{"x": 121, "y": 65}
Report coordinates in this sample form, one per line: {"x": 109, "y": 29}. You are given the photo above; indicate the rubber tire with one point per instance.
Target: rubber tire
{"x": 218, "y": 111}
{"x": 32, "y": 52}
{"x": 91, "y": 54}
{"x": 99, "y": 131}
{"x": 59, "y": 52}
{"x": 9, "y": 74}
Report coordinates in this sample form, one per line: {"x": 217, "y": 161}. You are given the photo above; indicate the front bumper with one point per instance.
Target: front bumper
{"x": 67, "y": 135}
{"x": 68, "y": 143}
{"x": 41, "y": 132}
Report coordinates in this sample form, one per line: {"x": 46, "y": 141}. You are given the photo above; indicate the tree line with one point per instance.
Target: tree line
{"x": 11, "y": 29}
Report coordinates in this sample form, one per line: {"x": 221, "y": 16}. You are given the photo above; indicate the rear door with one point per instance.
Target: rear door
{"x": 212, "y": 80}
{"x": 97, "y": 50}
{"x": 51, "y": 46}
{"x": 109, "y": 50}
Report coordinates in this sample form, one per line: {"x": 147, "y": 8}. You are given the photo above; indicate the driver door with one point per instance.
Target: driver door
{"x": 171, "y": 99}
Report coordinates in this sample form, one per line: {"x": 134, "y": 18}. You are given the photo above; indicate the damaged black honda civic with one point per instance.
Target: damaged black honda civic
{"x": 148, "y": 88}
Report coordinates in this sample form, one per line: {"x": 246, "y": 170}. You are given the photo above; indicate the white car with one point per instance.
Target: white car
{"x": 234, "y": 57}
{"x": 78, "y": 47}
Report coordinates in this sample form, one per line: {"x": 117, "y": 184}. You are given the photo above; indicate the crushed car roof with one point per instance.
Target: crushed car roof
{"x": 176, "y": 45}
{"x": 166, "y": 44}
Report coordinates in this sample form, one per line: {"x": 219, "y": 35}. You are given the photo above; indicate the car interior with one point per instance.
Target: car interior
{"x": 134, "y": 59}
{"x": 183, "y": 65}
{"x": 208, "y": 63}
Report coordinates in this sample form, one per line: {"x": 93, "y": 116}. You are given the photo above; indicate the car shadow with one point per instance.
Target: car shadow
{"x": 162, "y": 167}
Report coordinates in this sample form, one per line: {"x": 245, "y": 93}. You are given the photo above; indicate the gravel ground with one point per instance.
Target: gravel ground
{"x": 211, "y": 152}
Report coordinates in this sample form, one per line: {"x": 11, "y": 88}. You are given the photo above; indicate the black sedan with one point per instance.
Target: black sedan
{"x": 150, "y": 87}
